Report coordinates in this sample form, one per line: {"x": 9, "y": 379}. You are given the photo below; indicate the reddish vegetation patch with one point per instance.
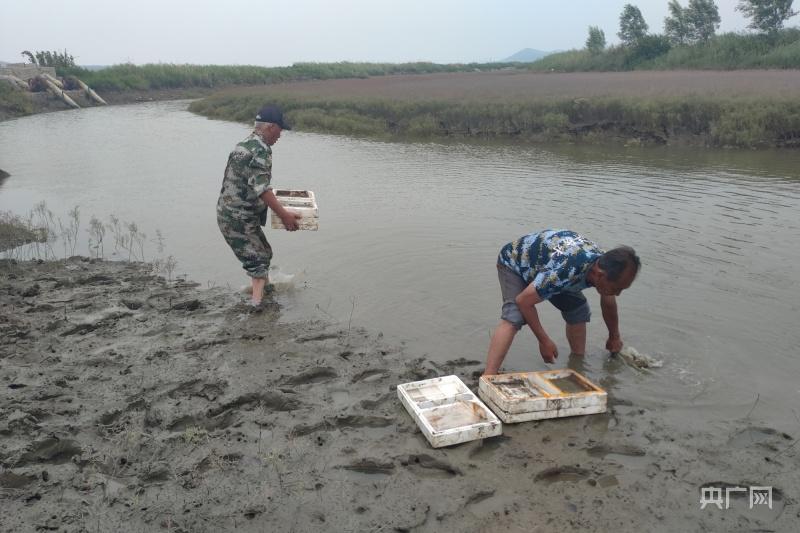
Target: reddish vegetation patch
{"x": 520, "y": 86}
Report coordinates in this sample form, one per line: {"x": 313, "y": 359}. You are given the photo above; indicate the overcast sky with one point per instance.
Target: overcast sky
{"x": 281, "y": 32}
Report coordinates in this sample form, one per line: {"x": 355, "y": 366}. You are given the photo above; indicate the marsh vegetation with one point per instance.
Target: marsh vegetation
{"x": 706, "y": 109}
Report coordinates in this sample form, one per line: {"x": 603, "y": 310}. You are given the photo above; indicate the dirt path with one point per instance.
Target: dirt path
{"x": 130, "y": 403}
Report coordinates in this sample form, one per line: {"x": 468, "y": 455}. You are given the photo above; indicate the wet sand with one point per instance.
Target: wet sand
{"x": 132, "y": 403}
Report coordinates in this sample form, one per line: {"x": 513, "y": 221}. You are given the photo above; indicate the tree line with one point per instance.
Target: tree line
{"x": 46, "y": 58}
{"x": 694, "y": 24}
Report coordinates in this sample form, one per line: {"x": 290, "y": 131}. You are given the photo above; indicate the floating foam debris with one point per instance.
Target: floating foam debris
{"x": 639, "y": 360}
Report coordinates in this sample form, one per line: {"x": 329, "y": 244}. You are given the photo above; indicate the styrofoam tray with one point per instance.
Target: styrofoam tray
{"x": 524, "y": 396}
{"x": 300, "y": 201}
{"x": 447, "y": 412}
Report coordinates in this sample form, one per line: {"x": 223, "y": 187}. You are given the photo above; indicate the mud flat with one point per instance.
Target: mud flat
{"x": 132, "y": 403}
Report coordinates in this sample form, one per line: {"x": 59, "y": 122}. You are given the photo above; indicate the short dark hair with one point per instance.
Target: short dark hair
{"x": 614, "y": 262}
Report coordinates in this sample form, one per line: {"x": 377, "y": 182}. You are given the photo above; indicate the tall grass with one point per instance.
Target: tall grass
{"x": 38, "y": 235}
{"x": 727, "y": 51}
{"x": 14, "y": 102}
{"x": 718, "y": 121}
{"x": 169, "y": 76}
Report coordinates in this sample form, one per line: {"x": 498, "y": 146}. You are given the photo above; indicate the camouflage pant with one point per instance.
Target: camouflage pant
{"x": 247, "y": 241}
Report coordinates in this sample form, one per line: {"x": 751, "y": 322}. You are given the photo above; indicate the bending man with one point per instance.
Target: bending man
{"x": 556, "y": 265}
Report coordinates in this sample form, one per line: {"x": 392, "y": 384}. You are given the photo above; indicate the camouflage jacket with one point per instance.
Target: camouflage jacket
{"x": 247, "y": 175}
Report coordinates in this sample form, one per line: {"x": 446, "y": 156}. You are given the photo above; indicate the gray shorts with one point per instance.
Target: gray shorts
{"x": 573, "y": 305}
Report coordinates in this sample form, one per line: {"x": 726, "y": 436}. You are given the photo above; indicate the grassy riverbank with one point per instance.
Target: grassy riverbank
{"x": 745, "y": 119}
{"x": 128, "y": 83}
{"x": 167, "y": 76}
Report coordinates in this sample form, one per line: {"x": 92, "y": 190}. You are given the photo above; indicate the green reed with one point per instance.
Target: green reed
{"x": 719, "y": 121}
{"x": 169, "y": 76}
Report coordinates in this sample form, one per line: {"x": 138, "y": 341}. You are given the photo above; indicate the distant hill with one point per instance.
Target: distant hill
{"x": 527, "y": 55}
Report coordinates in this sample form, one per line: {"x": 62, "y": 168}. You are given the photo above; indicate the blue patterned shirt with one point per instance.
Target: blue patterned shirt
{"x": 553, "y": 260}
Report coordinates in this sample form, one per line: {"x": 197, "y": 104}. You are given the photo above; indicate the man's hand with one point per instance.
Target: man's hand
{"x": 291, "y": 220}
{"x": 548, "y": 350}
{"x": 614, "y": 343}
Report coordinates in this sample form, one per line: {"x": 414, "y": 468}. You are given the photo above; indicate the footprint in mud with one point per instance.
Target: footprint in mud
{"x": 371, "y": 405}
{"x": 96, "y": 279}
{"x": 131, "y": 304}
{"x": 320, "y": 337}
{"x": 187, "y": 305}
{"x": 307, "y": 429}
{"x": 479, "y": 496}
{"x": 424, "y": 465}
{"x": 368, "y": 376}
{"x": 155, "y": 473}
{"x": 607, "y": 481}
{"x": 340, "y": 422}
{"x": 220, "y": 421}
{"x": 416, "y": 370}
{"x": 318, "y": 374}
{"x": 461, "y": 362}
{"x": 449, "y": 367}
{"x": 209, "y": 462}
{"x": 253, "y": 511}
{"x": 270, "y": 400}
{"x": 488, "y": 446}
{"x": 112, "y": 416}
{"x": 369, "y": 466}
{"x": 763, "y": 437}
{"x": 51, "y": 450}
{"x": 200, "y": 388}
{"x": 362, "y": 421}
{"x": 10, "y": 480}
{"x": 562, "y": 473}
{"x": 603, "y": 449}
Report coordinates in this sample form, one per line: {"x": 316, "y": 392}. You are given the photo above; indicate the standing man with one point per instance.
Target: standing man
{"x": 245, "y": 196}
{"x": 556, "y": 265}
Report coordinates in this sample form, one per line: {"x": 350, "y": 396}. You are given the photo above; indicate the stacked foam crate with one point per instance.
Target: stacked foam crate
{"x": 524, "y": 396}
{"x": 299, "y": 201}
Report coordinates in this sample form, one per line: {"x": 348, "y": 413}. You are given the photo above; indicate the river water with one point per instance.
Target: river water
{"x": 409, "y": 234}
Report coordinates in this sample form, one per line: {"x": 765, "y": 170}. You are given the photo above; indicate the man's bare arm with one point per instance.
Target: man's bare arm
{"x": 289, "y": 218}
{"x": 526, "y": 301}
{"x": 608, "y": 304}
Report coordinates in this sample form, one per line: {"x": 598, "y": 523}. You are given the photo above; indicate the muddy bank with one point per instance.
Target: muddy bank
{"x": 46, "y": 103}
{"x": 132, "y": 403}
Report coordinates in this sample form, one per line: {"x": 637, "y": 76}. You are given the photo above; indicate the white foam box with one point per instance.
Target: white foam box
{"x": 447, "y": 412}
{"x": 300, "y": 201}
{"x": 525, "y": 396}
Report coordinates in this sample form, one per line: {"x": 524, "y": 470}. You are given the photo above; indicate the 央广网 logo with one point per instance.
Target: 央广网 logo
{"x": 720, "y": 496}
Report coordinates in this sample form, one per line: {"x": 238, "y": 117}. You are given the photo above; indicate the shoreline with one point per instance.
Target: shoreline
{"x": 42, "y": 103}
{"x": 707, "y": 109}
{"x": 140, "y": 403}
